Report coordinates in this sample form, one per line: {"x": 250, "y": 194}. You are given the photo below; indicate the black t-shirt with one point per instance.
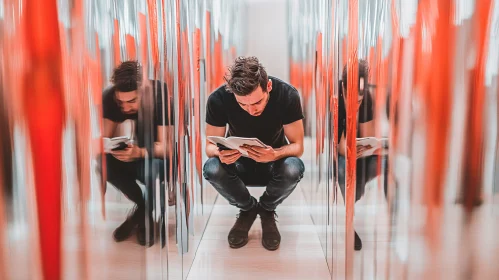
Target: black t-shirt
{"x": 365, "y": 113}
{"x": 112, "y": 111}
{"x": 284, "y": 107}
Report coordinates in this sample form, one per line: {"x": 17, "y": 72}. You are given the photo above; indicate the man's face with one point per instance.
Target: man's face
{"x": 128, "y": 101}
{"x": 360, "y": 95}
{"x": 255, "y": 102}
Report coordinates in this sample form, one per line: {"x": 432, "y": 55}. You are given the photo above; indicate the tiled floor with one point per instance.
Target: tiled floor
{"x": 300, "y": 255}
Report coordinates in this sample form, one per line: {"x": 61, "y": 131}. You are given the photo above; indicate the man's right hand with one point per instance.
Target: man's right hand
{"x": 361, "y": 149}
{"x": 228, "y": 156}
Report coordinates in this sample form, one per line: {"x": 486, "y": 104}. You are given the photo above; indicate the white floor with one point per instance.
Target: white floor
{"x": 300, "y": 255}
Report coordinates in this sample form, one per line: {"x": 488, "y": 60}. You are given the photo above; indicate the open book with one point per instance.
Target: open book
{"x": 234, "y": 143}
{"x": 120, "y": 142}
{"x": 372, "y": 144}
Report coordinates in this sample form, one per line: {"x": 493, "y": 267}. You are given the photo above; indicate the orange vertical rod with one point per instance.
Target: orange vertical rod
{"x": 153, "y": 27}
{"x": 351, "y": 133}
{"x": 130, "y": 47}
{"x": 474, "y": 157}
{"x": 438, "y": 102}
{"x": 116, "y": 43}
{"x": 197, "y": 92}
{"x": 208, "y": 64}
{"x": 43, "y": 105}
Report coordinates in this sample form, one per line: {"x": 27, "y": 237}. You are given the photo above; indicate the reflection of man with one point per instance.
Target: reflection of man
{"x": 255, "y": 105}
{"x": 366, "y": 166}
{"x": 122, "y": 102}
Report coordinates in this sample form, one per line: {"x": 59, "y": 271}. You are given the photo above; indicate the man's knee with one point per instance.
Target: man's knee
{"x": 213, "y": 169}
{"x": 292, "y": 169}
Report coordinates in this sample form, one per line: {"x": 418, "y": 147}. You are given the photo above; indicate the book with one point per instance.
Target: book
{"x": 235, "y": 143}
{"x": 116, "y": 143}
{"x": 372, "y": 144}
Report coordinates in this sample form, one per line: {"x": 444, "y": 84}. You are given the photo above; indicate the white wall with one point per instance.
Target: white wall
{"x": 267, "y": 35}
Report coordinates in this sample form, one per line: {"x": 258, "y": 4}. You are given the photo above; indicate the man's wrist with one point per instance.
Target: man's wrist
{"x": 278, "y": 153}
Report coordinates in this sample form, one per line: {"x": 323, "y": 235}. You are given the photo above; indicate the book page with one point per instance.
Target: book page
{"x": 239, "y": 141}
{"x": 375, "y": 143}
{"x": 236, "y": 142}
{"x": 111, "y": 143}
{"x": 219, "y": 140}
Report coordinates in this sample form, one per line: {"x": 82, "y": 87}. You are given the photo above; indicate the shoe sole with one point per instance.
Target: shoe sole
{"x": 239, "y": 245}
{"x": 270, "y": 249}
{"x": 123, "y": 239}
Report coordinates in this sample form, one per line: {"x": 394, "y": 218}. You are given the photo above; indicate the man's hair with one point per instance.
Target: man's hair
{"x": 127, "y": 76}
{"x": 245, "y": 75}
{"x": 363, "y": 73}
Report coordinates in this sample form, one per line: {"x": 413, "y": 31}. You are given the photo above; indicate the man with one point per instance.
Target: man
{"x": 121, "y": 102}
{"x": 366, "y": 166}
{"x": 255, "y": 105}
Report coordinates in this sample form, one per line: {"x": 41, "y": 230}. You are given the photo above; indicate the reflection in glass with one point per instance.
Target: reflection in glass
{"x": 125, "y": 79}
{"x": 438, "y": 113}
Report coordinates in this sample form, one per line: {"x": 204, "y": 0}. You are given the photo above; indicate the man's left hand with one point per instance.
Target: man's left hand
{"x": 129, "y": 154}
{"x": 260, "y": 154}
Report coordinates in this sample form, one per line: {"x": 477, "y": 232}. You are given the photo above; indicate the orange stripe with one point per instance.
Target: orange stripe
{"x": 438, "y": 101}
{"x": 82, "y": 124}
{"x": 380, "y": 80}
{"x": 153, "y": 28}
{"x": 208, "y": 63}
{"x": 218, "y": 75}
{"x": 197, "y": 113}
{"x": 116, "y": 43}
{"x": 351, "y": 133}
{"x": 131, "y": 51}
{"x": 143, "y": 39}
{"x": 474, "y": 156}
{"x": 44, "y": 111}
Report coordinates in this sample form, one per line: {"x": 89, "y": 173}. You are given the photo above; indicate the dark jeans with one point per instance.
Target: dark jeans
{"x": 123, "y": 176}
{"x": 367, "y": 169}
{"x": 280, "y": 177}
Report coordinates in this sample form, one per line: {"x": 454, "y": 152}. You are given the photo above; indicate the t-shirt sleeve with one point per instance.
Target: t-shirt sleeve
{"x": 366, "y": 113}
{"x": 293, "y": 110}
{"x": 216, "y": 114}
{"x": 111, "y": 110}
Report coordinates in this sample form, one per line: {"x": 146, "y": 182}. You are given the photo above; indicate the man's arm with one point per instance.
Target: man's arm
{"x": 342, "y": 145}
{"x": 109, "y": 128}
{"x": 160, "y": 147}
{"x": 295, "y": 134}
{"x": 212, "y": 149}
{"x": 367, "y": 129}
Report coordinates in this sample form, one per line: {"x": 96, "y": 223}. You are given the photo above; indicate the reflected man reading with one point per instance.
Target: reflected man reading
{"x": 366, "y": 162}
{"x": 127, "y": 163}
{"x": 255, "y": 105}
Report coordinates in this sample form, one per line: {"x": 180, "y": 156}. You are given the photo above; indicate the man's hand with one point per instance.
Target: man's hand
{"x": 129, "y": 154}
{"x": 362, "y": 149}
{"x": 229, "y": 156}
{"x": 260, "y": 154}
